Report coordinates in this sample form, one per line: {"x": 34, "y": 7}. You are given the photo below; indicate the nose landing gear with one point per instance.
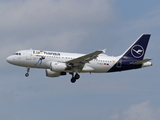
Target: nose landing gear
{"x": 27, "y": 74}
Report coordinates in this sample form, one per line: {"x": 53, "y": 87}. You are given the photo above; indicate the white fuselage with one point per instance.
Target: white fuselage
{"x": 31, "y": 59}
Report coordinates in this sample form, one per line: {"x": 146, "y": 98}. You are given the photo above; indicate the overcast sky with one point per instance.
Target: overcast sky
{"x": 80, "y": 26}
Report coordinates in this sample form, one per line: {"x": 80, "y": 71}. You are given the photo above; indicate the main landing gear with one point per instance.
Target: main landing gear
{"x": 27, "y": 74}
{"x": 74, "y": 77}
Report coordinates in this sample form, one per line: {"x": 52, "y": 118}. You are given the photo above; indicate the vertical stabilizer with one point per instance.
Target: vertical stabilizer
{"x": 132, "y": 58}
{"x": 138, "y": 48}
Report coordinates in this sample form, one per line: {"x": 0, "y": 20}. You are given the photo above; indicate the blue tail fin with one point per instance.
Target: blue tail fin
{"x": 132, "y": 58}
{"x": 138, "y": 48}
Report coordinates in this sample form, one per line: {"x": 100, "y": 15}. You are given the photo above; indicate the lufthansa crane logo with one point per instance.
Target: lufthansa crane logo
{"x": 137, "y": 51}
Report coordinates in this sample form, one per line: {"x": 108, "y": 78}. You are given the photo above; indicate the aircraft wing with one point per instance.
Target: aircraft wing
{"x": 86, "y": 58}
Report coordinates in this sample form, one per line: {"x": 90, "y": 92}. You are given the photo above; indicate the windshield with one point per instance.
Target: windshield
{"x": 17, "y": 54}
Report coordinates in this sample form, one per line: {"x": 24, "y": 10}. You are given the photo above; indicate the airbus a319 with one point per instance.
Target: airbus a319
{"x": 60, "y": 63}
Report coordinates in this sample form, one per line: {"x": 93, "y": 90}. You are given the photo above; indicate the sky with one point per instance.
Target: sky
{"x": 80, "y": 26}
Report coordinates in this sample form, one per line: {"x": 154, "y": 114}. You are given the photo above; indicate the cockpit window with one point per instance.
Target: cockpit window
{"x": 17, "y": 54}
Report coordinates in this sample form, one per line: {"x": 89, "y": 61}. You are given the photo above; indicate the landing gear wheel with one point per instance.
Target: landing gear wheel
{"x": 73, "y": 80}
{"x": 74, "y": 77}
{"x": 27, "y": 74}
{"x": 77, "y": 76}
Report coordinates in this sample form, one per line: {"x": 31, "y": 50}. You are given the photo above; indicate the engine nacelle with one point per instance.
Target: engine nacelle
{"x": 57, "y": 66}
{"x": 50, "y": 73}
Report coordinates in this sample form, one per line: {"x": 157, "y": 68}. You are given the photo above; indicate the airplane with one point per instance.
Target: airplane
{"x": 60, "y": 63}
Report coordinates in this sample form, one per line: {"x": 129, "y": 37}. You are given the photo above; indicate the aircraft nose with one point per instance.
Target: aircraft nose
{"x": 9, "y": 59}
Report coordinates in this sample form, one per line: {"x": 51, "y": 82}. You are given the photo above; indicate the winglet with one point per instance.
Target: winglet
{"x": 104, "y": 51}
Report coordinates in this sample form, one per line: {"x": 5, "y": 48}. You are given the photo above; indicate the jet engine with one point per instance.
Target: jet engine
{"x": 57, "y": 66}
{"x": 50, "y": 73}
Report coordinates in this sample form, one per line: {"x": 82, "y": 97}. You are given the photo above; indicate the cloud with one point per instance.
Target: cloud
{"x": 142, "y": 111}
{"x": 51, "y": 24}
{"x": 24, "y": 21}
{"x": 20, "y": 14}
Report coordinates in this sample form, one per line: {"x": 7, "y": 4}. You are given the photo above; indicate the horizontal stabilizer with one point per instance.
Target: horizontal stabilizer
{"x": 140, "y": 62}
